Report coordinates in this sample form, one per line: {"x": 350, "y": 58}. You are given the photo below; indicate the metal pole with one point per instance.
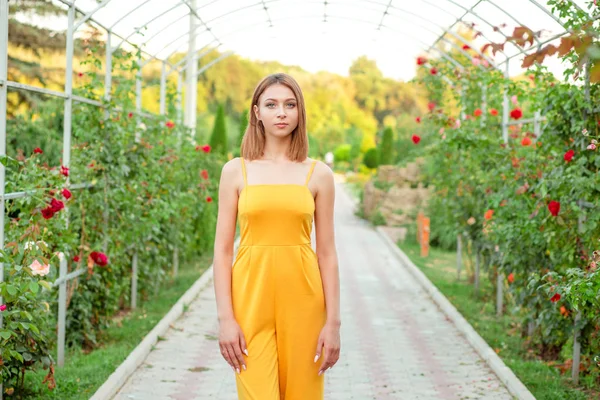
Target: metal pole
{"x": 483, "y": 104}
{"x": 576, "y": 349}
{"x": 68, "y": 91}
{"x": 175, "y": 262}
{"x": 499, "y": 294}
{"x": 134, "y": 280}
{"x": 108, "y": 73}
{"x": 477, "y": 267}
{"x": 537, "y": 126}
{"x": 191, "y": 72}
{"x": 62, "y": 310}
{"x": 458, "y": 256}
{"x": 505, "y": 108}
{"x": 138, "y": 87}
{"x": 3, "y": 94}
{"x": 163, "y": 88}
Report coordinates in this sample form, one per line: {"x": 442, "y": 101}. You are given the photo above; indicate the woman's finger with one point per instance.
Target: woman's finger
{"x": 225, "y": 355}
{"x": 319, "y": 349}
{"x": 325, "y": 364}
{"x": 239, "y": 357}
{"x": 234, "y": 360}
{"x": 243, "y": 344}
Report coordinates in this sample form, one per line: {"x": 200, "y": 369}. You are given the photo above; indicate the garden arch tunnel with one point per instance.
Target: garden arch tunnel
{"x": 163, "y": 28}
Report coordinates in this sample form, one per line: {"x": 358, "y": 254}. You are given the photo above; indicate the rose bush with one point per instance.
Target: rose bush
{"x": 529, "y": 205}
{"x": 148, "y": 189}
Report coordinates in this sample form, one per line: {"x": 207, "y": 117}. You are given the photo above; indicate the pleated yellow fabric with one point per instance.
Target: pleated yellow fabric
{"x": 277, "y": 292}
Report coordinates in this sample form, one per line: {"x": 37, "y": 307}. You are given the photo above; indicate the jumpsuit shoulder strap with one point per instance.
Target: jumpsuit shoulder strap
{"x": 244, "y": 171}
{"x": 312, "y": 167}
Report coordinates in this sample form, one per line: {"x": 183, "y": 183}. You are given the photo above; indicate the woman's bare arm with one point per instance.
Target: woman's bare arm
{"x": 231, "y": 340}
{"x": 329, "y": 339}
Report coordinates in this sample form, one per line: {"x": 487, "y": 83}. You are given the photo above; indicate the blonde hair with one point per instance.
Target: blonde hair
{"x": 253, "y": 142}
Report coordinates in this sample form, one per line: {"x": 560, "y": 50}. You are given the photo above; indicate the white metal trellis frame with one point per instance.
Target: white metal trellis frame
{"x": 196, "y": 22}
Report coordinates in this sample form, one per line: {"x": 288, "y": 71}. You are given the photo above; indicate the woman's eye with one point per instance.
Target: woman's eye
{"x": 291, "y": 105}
{"x": 270, "y": 104}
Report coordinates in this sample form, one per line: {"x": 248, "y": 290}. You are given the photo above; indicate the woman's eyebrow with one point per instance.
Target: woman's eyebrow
{"x": 291, "y": 98}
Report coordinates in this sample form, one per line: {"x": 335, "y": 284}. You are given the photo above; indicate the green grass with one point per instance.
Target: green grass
{"x": 501, "y": 333}
{"x": 84, "y": 373}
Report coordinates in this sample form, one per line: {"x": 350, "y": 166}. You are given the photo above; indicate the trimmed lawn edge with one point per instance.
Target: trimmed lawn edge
{"x": 505, "y": 374}
{"x": 120, "y": 376}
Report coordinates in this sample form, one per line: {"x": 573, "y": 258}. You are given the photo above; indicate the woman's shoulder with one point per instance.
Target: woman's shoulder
{"x": 322, "y": 171}
{"x": 232, "y": 167}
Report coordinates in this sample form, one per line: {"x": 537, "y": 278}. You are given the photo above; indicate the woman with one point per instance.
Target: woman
{"x": 278, "y": 305}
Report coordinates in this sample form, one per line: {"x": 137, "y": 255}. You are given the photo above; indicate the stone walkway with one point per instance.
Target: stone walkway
{"x": 396, "y": 344}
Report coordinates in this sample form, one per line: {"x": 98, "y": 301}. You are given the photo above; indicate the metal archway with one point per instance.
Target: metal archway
{"x": 199, "y": 24}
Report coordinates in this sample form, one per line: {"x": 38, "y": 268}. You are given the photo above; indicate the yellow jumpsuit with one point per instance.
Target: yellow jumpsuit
{"x": 277, "y": 292}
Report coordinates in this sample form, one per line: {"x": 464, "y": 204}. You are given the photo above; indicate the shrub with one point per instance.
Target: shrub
{"x": 371, "y": 158}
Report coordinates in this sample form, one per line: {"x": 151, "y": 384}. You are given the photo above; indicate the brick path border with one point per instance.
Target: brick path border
{"x": 505, "y": 374}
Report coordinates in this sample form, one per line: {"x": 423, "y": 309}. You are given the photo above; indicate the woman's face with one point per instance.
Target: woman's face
{"x": 278, "y": 110}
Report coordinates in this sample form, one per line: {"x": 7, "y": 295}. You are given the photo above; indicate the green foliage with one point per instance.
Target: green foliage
{"x": 499, "y": 195}
{"x": 386, "y": 148}
{"x": 342, "y": 153}
{"x": 145, "y": 194}
{"x": 218, "y": 138}
{"x": 242, "y": 130}
{"x": 371, "y": 158}
{"x": 377, "y": 218}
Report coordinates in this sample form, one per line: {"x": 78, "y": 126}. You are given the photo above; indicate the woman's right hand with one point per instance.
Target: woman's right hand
{"x": 232, "y": 344}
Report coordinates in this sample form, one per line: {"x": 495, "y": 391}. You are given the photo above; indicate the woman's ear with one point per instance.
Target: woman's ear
{"x": 255, "y": 109}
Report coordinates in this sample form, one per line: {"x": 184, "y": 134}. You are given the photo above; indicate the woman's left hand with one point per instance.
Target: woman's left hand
{"x": 329, "y": 346}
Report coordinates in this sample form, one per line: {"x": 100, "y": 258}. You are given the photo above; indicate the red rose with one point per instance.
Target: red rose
{"x": 418, "y": 119}
{"x": 416, "y": 139}
{"x": 204, "y": 174}
{"x": 76, "y": 259}
{"x": 477, "y": 112}
{"x": 431, "y": 106}
{"x": 206, "y": 148}
{"x": 494, "y": 112}
{"x": 516, "y": 113}
{"x": 433, "y": 71}
{"x": 99, "y": 258}
{"x": 511, "y": 278}
{"x": 209, "y": 199}
{"x": 2, "y": 307}
{"x": 56, "y": 205}
{"x": 466, "y": 47}
{"x": 170, "y": 124}
{"x": 569, "y": 155}
{"x": 488, "y": 214}
{"x": 555, "y": 298}
{"x": 130, "y": 115}
{"x": 47, "y": 212}
{"x": 526, "y": 141}
{"x": 80, "y": 74}
{"x": 37, "y": 150}
{"x": 421, "y": 60}
{"x": 66, "y": 193}
{"x": 64, "y": 170}
{"x": 554, "y": 207}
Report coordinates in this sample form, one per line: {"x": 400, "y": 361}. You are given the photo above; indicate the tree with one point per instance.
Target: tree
{"x": 218, "y": 138}
{"x": 32, "y": 44}
{"x": 371, "y": 158}
{"x": 386, "y": 156}
{"x": 242, "y": 131}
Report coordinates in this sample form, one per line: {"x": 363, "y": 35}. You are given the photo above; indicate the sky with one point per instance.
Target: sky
{"x": 318, "y": 35}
